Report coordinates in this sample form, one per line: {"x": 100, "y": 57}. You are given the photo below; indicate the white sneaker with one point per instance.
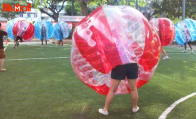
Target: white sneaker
{"x": 184, "y": 51}
{"x": 165, "y": 57}
{"x": 134, "y": 110}
{"x": 102, "y": 111}
{"x": 192, "y": 52}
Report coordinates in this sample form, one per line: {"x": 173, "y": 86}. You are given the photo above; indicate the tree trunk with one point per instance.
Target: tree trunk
{"x": 84, "y": 8}
{"x": 56, "y": 17}
{"x": 7, "y": 17}
{"x": 107, "y": 2}
{"x": 72, "y": 10}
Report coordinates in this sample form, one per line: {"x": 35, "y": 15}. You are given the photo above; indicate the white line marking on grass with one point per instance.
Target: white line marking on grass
{"x": 29, "y": 43}
{"x": 39, "y": 44}
{"x": 36, "y": 58}
{"x": 188, "y": 53}
{"x": 35, "y": 43}
{"x": 172, "y": 106}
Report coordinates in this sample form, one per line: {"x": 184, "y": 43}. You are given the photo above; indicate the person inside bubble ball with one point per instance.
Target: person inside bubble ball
{"x": 19, "y": 37}
{"x": 187, "y": 37}
{"x": 43, "y": 35}
{"x": 2, "y": 52}
{"x": 16, "y": 41}
{"x": 120, "y": 72}
{"x": 60, "y": 42}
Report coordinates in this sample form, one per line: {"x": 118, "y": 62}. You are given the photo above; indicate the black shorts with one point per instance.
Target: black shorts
{"x": 120, "y": 72}
{"x": 18, "y": 38}
{"x": 2, "y": 53}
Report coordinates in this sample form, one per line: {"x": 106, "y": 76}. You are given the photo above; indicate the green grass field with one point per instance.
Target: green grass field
{"x": 49, "y": 89}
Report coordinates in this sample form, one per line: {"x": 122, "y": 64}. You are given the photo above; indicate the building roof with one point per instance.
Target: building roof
{"x": 71, "y": 18}
{"x": 3, "y": 19}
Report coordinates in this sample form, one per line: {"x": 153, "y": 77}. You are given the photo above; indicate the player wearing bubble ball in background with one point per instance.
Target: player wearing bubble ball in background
{"x": 60, "y": 42}
{"x": 2, "y": 52}
{"x": 187, "y": 37}
{"x": 19, "y": 37}
{"x": 43, "y": 34}
{"x": 166, "y": 31}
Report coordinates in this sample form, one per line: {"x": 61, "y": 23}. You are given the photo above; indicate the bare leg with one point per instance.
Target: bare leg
{"x": 190, "y": 46}
{"x": 42, "y": 42}
{"x": 15, "y": 44}
{"x": 62, "y": 43}
{"x": 2, "y": 64}
{"x": 185, "y": 46}
{"x": 165, "y": 54}
{"x": 46, "y": 42}
{"x": 113, "y": 87}
{"x": 134, "y": 92}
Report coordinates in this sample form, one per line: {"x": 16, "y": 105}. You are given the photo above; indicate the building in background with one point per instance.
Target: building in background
{"x": 33, "y": 16}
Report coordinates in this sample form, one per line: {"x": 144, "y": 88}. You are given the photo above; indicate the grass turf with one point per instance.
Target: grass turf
{"x": 49, "y": 89}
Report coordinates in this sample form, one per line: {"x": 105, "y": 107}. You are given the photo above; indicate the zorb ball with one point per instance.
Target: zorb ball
{"x": 10, "y": 25}
{"x": 61, "y": 31}
{"x": 165, "y": 28}
{"x": 185, "y": 31}
{"x": 43, "y": 30}
{"x": 112, "y": 36}
{"x": 191, "y": 24}
{"x": 9, "y": 28}
{"x": 24, "y": 29}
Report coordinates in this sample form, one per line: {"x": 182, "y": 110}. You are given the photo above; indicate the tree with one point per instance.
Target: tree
{"x": 191, "y": 8}
{"x": 84, "y": 9}
{"x": 10, "y": 15}
{"x": 50, "y": 6}
{"x": 90, "y": 6}
{"x": 132, "y": 3}
{"x": 174, "y": 9}
{"x": 84, "y": 5}
{"x": 112, "y": 2}
{"x": 73, "y": 8}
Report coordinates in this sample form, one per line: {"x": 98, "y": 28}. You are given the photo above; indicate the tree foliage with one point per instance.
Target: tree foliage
{"x": 73, "y": 8}
{"x": 173, "y": 9}
{"x": 79, "y": 8}
{"x": 50, "y": 7}
{"x": 132, "y": 3}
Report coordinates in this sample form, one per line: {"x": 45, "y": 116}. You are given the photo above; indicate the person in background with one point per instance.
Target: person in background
{"x": 16, "y": 41}
{"x": 2, "y": 52}
{"x": 19, "y": 37}
{"x": 43, "y": 34}
{"x": 60, "y": 42}
{"x": 187, "y": 37}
